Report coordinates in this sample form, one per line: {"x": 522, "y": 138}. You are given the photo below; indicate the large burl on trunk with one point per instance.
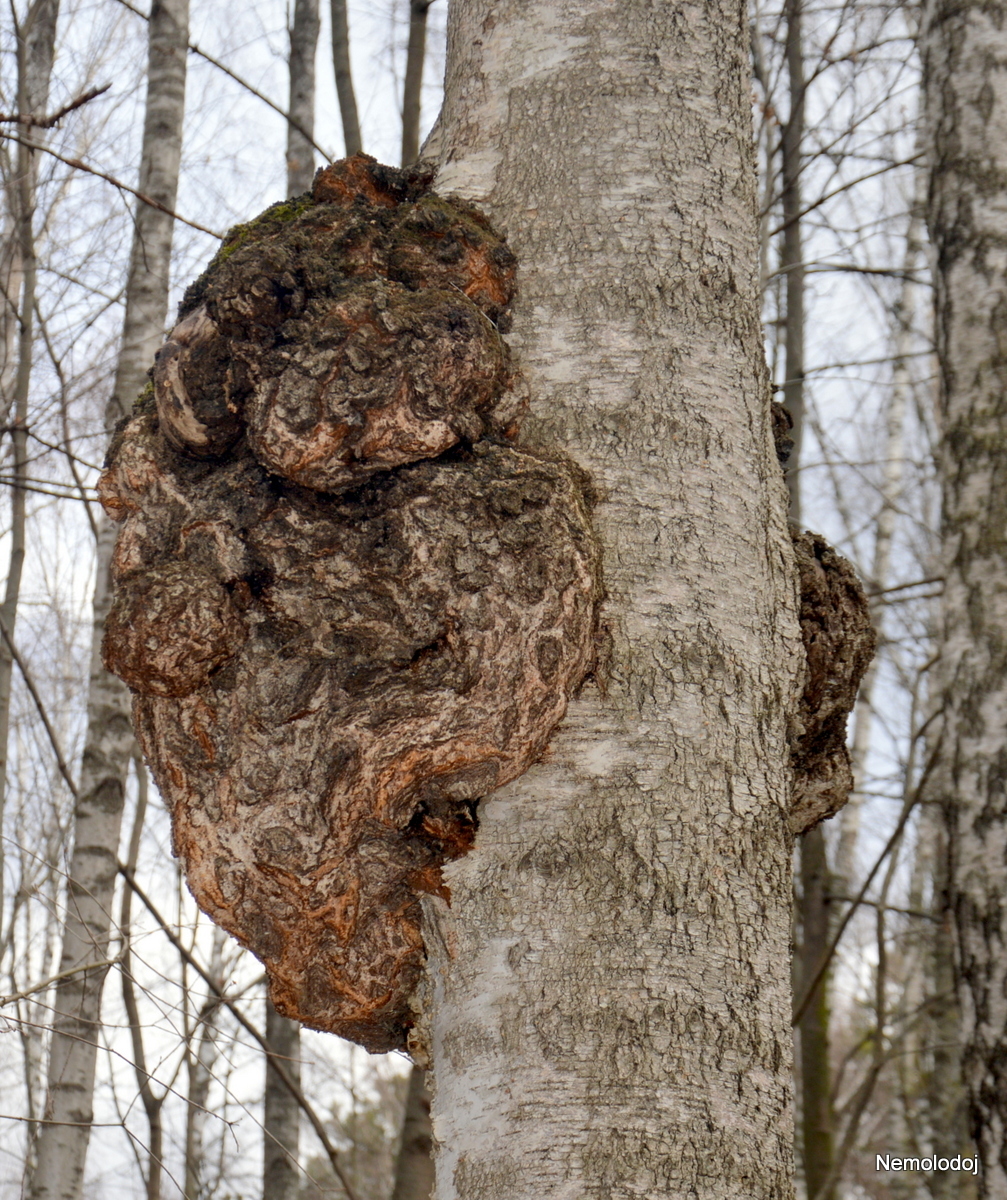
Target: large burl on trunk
{"x": 348, "y": 605}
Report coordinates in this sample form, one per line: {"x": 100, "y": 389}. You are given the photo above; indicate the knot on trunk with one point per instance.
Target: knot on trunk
{"x": 348, "y": 606}
{"x": 839, "y": 643}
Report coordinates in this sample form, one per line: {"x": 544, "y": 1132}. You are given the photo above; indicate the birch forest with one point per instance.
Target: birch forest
{"x": 139, "y": 1054}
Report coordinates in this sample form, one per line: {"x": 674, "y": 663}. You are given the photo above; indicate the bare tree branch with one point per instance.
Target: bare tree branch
{"x": 59, "y": 114}
{"x": 117, "y": 183}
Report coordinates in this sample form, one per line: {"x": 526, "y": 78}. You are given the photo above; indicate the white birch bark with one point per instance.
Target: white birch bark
{"x": 109, "y": 740}
{"x": 281, "y": 1114}
{"x": 610, "y": 986}
{"x": 36, "y": 47}
{"x": 965, "y": 82}
{"x": 200, "y": 1065}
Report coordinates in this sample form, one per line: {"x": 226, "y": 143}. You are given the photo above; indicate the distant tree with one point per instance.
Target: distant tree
{"x": 965, "y": 45}
{"x": 109, "y": 744}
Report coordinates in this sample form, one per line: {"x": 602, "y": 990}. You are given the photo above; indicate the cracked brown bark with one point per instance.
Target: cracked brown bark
{"x": 348, "y": 605}
{"x": 965, "y": 84}
{"x": 108, "y": 741}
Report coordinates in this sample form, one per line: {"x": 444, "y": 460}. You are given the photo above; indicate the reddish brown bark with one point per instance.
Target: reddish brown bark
{"x": 347, "y": 605}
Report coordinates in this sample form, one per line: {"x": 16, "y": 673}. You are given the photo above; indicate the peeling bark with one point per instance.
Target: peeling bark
{"x": 347, "y": 605}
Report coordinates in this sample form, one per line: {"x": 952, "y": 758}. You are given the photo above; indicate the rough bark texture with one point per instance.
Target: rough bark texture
{"x": 839, "y": 642}
{"x": 610, "y": 987}
{"x": 965, "y": 76}
{"x": 347, "y": 605}
{"x": 108, "y": 744}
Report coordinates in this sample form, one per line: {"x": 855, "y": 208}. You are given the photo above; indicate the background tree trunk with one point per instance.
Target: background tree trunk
{"x": 303, "y": 47}
{"x": 965, "y": 82}
{"x": 617, "y": 944}
{"x": 200, "y": 1061}
{"x": 412, "y": 88}
{"x": 344, "y": 77}
{"x": 791, "y": 144}
{"x": 814, "y": 881}
{"x": 36, "y": 46}
{"x": 282, "y": 1116}
{"x": 414, "y": 1165}
{"x": 108, "y": 742}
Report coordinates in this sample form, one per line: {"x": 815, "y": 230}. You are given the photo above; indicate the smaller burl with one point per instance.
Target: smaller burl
{"x": 839, "y": 643}
{"x": 347, "y": 604}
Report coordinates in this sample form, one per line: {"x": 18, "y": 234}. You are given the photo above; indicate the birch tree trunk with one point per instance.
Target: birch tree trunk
{"x": 282, "y": 1116}
{"x": 965, "y": 82}
{"x": 610, "y": 985}
{"x": 109, "y": 740}
{"x": 412, "y": 87}
{"x": 200, "y": 1068}
{"x": 817, "y": 1121}
{"x": 303, "y": 45}
{"x": 344, "y": 77}
{"x": 36, "y": 47}
{"x": 414, "y": 1166}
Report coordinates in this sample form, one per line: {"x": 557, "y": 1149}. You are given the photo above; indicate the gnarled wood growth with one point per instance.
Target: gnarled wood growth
{"x": 839, "y": 643}
{"x": 348, "y": 606}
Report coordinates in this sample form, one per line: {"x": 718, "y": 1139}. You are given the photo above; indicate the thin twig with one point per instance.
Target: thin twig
{"x": 247, "y": 1025}
{"x": 123, "y": 187}
{"x": 45, "y": 984}
{"x": 900, "y": 587}
{"x": 910, "y": 803}
{"x": 30, "y": 685}
{"x": 49, "y": 122}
